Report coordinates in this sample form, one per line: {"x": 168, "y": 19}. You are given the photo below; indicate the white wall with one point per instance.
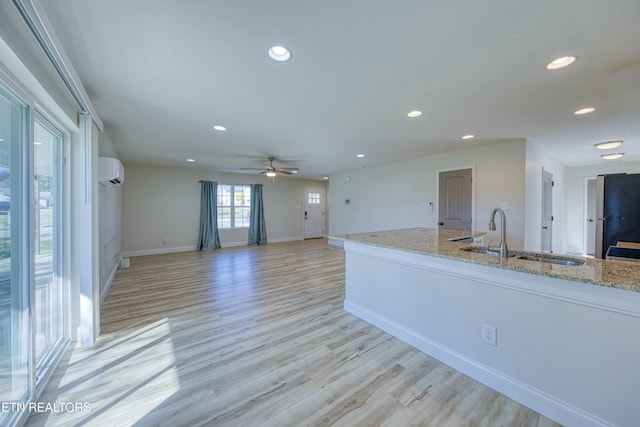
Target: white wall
{"x": 164, "y": 203}
{"x": 537, "y": 159}
{"x": 393, "y": 196}
{"x": 576, "y": 193}
{"x": 110, "y": 221}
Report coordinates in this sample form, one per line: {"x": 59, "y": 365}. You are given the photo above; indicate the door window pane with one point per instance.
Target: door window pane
{"x": 15, "y": 337}
{"x": 46, "y": 205}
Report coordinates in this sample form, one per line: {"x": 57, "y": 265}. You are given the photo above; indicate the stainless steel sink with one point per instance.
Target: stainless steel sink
{"x": 550, "y": 259}
{"x": 481, "y": 250}
{"x": 527, "y": 256}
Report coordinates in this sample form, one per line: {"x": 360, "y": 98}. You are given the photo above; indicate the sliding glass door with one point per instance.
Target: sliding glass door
{"x": 33, "y": 304}
{"x": 16, "y": 370}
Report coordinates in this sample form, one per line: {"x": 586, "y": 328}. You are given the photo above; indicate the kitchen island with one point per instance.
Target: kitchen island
{"x": 562, "y": 340}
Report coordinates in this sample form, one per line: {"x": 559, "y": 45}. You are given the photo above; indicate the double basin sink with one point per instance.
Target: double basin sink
{"x": 528, "y": 256}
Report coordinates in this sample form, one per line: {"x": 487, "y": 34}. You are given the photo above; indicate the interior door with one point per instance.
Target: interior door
{"x": 313, "y": 213}
{"x": 547, "y": 211}
{"x": 455, "y": 195}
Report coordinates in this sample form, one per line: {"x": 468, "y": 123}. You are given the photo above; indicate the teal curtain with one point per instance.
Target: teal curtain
{"x": 257, "y": 229}
{"x": 209, "y": 238}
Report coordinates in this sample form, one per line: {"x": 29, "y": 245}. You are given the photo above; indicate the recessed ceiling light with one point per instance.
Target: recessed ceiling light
{"x": 608, "y": 145}
{"x": 279, "y": 53}
{"x": 1, "y": 139}
{"x": 585, "y": 111}
{"x": 612, "y": 156}
{"x": 468, "y": 136}
{"x": 413, "y": 114}
{"x": 218, "y": 127}
{"x": 190, "y": 160}
{"x": 561, "y": 62}
{"x": 360, "y": 155}
{"x": 325, "y": 177}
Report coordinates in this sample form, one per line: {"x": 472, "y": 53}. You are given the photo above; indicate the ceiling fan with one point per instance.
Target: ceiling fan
{"x": 271, "y": 171}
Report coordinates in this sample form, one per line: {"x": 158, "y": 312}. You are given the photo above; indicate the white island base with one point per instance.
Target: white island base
{"x": 568, "y": 350}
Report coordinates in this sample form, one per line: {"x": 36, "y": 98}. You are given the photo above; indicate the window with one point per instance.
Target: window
{"x": 234, "y": 206}
{"x": 313, "y": 198}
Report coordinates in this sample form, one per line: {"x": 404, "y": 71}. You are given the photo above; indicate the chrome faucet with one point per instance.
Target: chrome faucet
{"x": 502, "y": 249}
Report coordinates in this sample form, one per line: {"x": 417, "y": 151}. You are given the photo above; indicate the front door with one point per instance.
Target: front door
{"x": 313, "y": 213}
{"x": 455, "y": 195}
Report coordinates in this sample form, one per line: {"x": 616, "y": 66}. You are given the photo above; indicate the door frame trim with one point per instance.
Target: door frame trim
{"x": 542, "y": 210}
{"x": 585, "y": 212}
{"x": 324, "y": 209}
{"x": 436, "y": 204}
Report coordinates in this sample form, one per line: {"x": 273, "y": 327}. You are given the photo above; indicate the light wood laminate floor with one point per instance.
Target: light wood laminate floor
{"x": 257, "y": 336}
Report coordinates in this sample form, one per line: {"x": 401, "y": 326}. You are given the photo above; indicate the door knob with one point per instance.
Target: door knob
{"x": 441, "y": 223}
{"x": 544, "y": 227}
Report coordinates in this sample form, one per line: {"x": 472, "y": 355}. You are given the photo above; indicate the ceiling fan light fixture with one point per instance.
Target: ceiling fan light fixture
{"x": 608, "y": 145}
{"x": 612, "y": 156}
{"x": 279, "y": 53}
{"x": 561, "y": 62}
{"x": 270, "y": 174}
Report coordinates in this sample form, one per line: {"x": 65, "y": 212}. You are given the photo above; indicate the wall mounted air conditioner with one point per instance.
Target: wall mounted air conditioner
{"x": 110, "y": 171}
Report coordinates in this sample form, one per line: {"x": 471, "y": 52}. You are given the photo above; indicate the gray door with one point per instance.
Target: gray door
{"x": 455, "y": 200}
{"x": 547, "y": 211}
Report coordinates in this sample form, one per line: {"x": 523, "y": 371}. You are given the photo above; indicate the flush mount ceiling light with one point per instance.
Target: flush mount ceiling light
{"x": 190, "y": 160}
{"x": 360, "y": 155}
{"x": 279, "y": 53}
{"x": 561, "y": 62}
{"x": 584, "y": 111}
{"x": 413, "y": 114}
{"x": 220, "y": 128}
{"x": 608, "y": 145}
{"x": 468, "y": 136}
{"x": 612, "y": 156}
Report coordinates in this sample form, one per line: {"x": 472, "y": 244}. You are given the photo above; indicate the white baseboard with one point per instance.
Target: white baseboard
{"x": 159, "y": 251}
{"x": 521, "y": 392}
{"x": 336, "y": 242}
{"x": 172, "y": 250}
{"x": 107, "y": 286}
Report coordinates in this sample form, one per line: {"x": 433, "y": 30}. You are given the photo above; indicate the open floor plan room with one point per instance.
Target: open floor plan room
{"x": 257, "y": 336}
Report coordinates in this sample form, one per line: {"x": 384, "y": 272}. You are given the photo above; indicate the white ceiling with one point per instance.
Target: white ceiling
{"x": 161, "y": 73}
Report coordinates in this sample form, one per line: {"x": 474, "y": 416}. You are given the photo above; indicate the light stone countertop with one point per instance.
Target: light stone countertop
{"x": 427, "y": 241}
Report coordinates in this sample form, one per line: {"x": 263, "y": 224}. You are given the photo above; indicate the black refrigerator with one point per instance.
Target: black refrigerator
{"x": 618, "y": 210}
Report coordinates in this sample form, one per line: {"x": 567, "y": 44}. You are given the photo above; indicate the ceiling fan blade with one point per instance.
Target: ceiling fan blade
{"x": 253, "y": 169}
{"x": 284, "y": 171}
